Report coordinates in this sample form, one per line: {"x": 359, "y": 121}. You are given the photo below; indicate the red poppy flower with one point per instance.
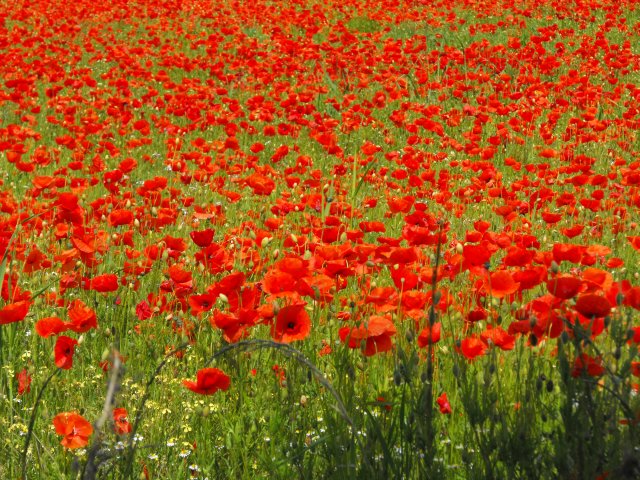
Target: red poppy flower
{"x": 376, "y": 335}
{"x": 292, "y": 323}
{"x": 201, "y": 303}
{"x": 592, "y": 366}
{"x": 430, "y": 335}
{"x": 634, "y": 241}
{"x": 64, "y": 351}
{"x": 102, "y": 283}
{"x": 49, "y": 326}
{"x": 501, "y": 284}
{"x": 475, "y": 255}
{"x": 443, "y": 404}
{"x": 570, "y": 253}
{"x": 120, "y": 217}
{"x": 597, "y": 279}
{"x": 472, "y": 347}
{"x": 564, "y": 286}
{"x": 278, "y": 282}
{"x": 14, "y": 312}
{"x": 121, "y": 421}
{"x": 499, "y": 337}
{"x": 24, "y": 381}
{"x": 202, "y": 238}
{"x": 208, "y": 381}
{"x": 82, "y": 318}
{"x": 632, "y": 298}
{"x": 592, "y": 305}
{"x": 404, "y": 279}
{"x": 75, "y": 429}
{"x": 235, "y": 325}
{"x": 143, "y": 310}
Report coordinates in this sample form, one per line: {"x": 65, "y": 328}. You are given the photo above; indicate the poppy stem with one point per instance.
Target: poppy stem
{"x": 131, "y": 449}
{"x": 32, "y": 421}
{"x": 90, "y": 468}
{"x": 298, "y": 356}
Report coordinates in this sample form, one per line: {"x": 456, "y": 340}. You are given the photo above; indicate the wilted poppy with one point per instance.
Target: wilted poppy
{"x": 75, "y": 429}
{"x": 208, "y": 381}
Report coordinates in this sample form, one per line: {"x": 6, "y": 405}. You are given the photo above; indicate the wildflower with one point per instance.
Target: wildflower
{"x": 376, "y": 335}
{"x": 292, "y": 323}
{"x": 121, "y": 421}
{"x": 75, "y": 429}
{"x": 24, "y": 381}
{"x": 443, "y": 403}
{"x": 64, "y": 351}
{"x": 208, "y": 381}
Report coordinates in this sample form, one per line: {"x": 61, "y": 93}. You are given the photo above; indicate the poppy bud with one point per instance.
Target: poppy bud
{"x": 397, "y": 377}
{"x": 409, "y": 335}
{"x": 459, "y": 247}
{"x": 436, "y": 297}
{"x": 555, "y": 268}
{"x": 265, "y": 241}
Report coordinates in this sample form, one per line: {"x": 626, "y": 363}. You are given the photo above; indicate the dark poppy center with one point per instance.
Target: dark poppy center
{"x": 291, "y": 325}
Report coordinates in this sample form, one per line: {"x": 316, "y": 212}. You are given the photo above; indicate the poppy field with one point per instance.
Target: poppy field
{"x": 303, "y": 239}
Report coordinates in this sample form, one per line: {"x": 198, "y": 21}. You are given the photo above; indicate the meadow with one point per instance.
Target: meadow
{"x": 303, "y": 239}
